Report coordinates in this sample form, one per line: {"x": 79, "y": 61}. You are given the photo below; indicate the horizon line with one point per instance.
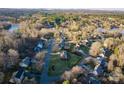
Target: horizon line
{"x": 103, "y": 9}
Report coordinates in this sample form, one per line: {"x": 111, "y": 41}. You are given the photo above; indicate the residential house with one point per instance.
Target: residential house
{"x": 17, "y": 76}
{"x": 64, "y": 55}
{"x": 100, "y": 68}
{"x": 79, "y": 52}
{"x": 39, "y": 47}
{"x": 25, "y": 62}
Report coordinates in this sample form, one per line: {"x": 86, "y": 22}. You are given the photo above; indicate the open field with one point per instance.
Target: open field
{"x": 62, "y": 65}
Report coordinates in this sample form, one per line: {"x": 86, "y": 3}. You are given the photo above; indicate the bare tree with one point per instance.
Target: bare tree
{"x": 13, "y": 57}
{"x": 39, "y": 56}
{"x": 1, "y": 77}
{"x": 112, "y": 62}
{"x": 77, "y": 70}
{"x": 2, "y": 59}
{"x": 67, "y": 75}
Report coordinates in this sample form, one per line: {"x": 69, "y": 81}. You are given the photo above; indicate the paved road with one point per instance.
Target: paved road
{"x": 45, "y": 79}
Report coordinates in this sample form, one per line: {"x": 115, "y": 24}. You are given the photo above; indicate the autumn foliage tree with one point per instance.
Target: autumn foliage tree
{"x": 109, "y": 43}
{"x": 119, "y": 52}
{"x": 95, "y": 49}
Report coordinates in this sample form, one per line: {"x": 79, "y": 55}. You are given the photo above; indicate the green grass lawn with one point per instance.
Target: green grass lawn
{"x": 84, "y": 48}
{"x": 61, "y": 65}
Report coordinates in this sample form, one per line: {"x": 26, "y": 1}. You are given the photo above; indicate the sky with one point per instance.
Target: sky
{"x": 66, "y": 4}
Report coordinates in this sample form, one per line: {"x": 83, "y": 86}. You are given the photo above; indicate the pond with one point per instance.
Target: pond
{"x": 13, "y": 27}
